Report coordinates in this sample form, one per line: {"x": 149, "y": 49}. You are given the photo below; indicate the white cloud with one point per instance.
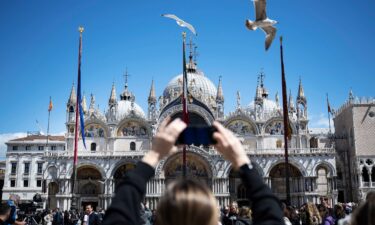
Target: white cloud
{"x": 320, "y": 121}
{"x": 6, "y": 137}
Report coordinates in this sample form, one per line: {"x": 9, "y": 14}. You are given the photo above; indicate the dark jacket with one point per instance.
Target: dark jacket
{"x": 124, "y": 208}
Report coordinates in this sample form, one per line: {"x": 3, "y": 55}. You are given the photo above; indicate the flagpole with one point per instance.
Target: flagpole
{"x": 74, "y": 181}
{"x": 286, "y": 123}
{"x": 49, "y": 115}
{"x": 329, "y": 115}
{"x": 184, "y": 102}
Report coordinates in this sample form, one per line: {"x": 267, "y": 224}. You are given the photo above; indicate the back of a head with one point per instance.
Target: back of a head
{"x": 4, "y": 209}
{"x": 313, "y": 216}
{"x": 245, "y": 212}
{"x": 187, "y": 202}
{"x": 365, "y": 213}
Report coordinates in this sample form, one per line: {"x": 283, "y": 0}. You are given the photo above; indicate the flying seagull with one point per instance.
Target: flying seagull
{"x": 181, "y": 23}
{"x": 263, "y": 22}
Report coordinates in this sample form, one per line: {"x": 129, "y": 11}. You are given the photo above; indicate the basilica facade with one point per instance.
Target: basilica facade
{"x": 118, "y": 138}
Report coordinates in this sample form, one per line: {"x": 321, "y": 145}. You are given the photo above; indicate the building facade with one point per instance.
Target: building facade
{"x": 118, "y": 138}
{"x": 355, "y": 144}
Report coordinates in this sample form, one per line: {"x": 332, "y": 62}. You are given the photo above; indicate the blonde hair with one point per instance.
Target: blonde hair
{"x": 313, "y": 216}
{"x": 245, "y": 212}
{"x": 187, "y": 202}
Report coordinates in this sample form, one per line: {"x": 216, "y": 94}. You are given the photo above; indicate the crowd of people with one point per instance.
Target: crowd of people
{"x": 188, "y": 202}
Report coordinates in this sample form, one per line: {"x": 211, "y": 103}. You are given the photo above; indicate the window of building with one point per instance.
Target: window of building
{"x": 313, "y": 142}
{"x": 93, "y": 146}
{"x": 53, "y": 147}
{"x": 12, "y": 183}
{"x": 15, "y": 148}
{"x": 39, "y": 183}
{"x": 365, "y": 175}
{"x": 14, "y": 168}
{"x": 28, "y": 147}
{"x": 71, "y": 109}
{"x": 132, "y": 146}
{"x": 27, "y": 168}
{"x": 279, "y": 144}
{"x": 40, "y": 168}
{"x": 40, "y": 148}
{"x": 26, "y": 183}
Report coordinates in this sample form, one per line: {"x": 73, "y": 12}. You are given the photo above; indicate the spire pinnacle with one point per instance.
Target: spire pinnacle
{"x": 152, "y": 96}
{"x": 73, "y": 97}
{"x": 84, "y": 104}
{"x": 238, "y": 100}
{"x": 351, "y": 95}
{"x": 277, "y": 98}
{"x": 220, "y": 95}
{"x": 291, "y": 102}
{"x": 113, "y": 98}
{"x": 92, "y": 102}
{"x": 301, "y": 93}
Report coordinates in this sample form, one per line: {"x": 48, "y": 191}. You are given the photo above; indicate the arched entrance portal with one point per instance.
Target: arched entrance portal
{"x": 296, "y": 183}
{"x": 53, "y": 189}
{"x": 197, "y": 168}
{"x": 237, "y": 189}
{"x": 120, "y": 172}
{"x": 90, "y": 185}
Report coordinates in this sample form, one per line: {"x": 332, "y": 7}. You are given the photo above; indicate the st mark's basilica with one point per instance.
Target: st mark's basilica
{"x": 118, "y": 138}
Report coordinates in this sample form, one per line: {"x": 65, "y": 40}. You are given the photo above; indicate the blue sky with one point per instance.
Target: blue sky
{"x": 330, "y": 44}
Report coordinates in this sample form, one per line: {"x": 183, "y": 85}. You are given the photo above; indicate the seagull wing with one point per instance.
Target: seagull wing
{"x": 270, "y": 35}
{"x": 180, "y": 22}
{"x": 260, "y": 9}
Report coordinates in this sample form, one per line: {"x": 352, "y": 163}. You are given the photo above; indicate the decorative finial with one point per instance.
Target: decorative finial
{"x": 281, "y": 40}
{"x": 81, "y": 29}
{"x": 184, "y": 35}
{"x": 238, "y": 100}
{"x": 126, "y": 76}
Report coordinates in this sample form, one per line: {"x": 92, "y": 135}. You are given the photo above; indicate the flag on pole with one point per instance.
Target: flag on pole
{"x": 50, "y": 106}
{"x": 79, "y": 103}
{"x": 329, "y": 106}
{"x": 185, "y": 113}
{"x": 79, "y": 96}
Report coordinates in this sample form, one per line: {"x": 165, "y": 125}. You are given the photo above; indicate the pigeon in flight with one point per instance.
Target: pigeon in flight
{"x": 180, "y": 22}
{"x": 263, "y": 22}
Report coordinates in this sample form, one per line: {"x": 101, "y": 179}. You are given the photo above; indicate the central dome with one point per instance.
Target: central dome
{"x": 198, "y": 85}
{"x": 128, "y": 108}
{"x": 268, "y": 105}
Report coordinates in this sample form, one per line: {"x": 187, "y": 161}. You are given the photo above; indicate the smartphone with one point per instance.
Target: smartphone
{"x": 197, "y": 135}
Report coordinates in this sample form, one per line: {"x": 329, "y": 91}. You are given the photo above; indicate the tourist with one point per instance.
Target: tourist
{"x": 231, "y": 217}
{"x": 244, "y": 216}
{"x": 338, "y": 213}
{"x": 58, "y": 217}
{"x": 365, "y": 213}
{"x": 286, "y": 213}
{"x": 4, "y": 213}
{"x": 48, "y": 218}
{"x": 327, "y": 219}
{"x": 90, "y": 218}
{"x": 12, "y": 203}
{"x": 187, "y": 202}
{"x": 312, "y": 214}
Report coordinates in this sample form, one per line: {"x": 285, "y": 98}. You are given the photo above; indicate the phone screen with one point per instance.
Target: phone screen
{"x": 197, "y": 135}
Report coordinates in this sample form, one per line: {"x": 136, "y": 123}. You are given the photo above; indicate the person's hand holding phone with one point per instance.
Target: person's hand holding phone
{"x": 230, "y": 146}
{"x": 163, "y": 143}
